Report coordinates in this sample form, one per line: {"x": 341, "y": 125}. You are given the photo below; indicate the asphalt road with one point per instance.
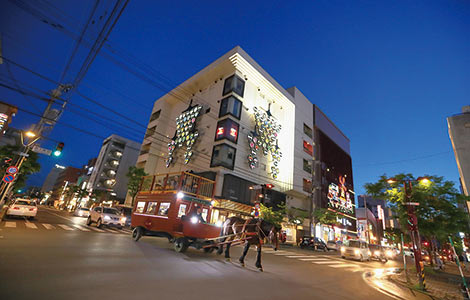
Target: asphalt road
{"x": 56, "y": 256}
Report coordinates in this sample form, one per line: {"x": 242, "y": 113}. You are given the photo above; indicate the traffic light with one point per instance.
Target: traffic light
{"x": 58, "y": 149}
{"x": 268, "y": 186}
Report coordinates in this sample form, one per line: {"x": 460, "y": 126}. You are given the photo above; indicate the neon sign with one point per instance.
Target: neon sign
{"x": 339, "y": 198}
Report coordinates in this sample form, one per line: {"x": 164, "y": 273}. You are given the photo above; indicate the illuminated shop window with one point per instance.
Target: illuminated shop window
{"x": 234, "y": 84}
{"x": 227, "y": 129}
{"x": 223, "y": 155}
{"x": 230, "y": 106}
{"x": 308, "y": 148}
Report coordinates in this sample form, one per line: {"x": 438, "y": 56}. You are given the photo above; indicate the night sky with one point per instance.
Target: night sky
{"x": 387, "y": 73}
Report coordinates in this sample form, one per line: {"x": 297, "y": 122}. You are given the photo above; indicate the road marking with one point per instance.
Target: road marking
{"x": 344, "y": 266}
{"x": 285, "y": 253}
{"x": 31, "y": 225}
{"x": 127, "y": 231}
{"x": 68, "y": 219}
{"x": 112, "y": 230}
{"x": 96, "y": 229}
{"x": 64, "y": 227}
{"x": 48, "y": 226}
{"x": 298, "y": 256}
{"x": 312, "y": 259}
{"x": 327, "y": 262}
{"x": 81, "y": 228}
{"x": 10, "y": 224}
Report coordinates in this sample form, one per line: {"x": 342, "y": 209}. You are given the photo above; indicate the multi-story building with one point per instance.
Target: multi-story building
{"x": 108, "y": 174}
{"x": 234, "y": 123}
{"x": 51, "y": 178}
{"x": 67, "y": 177}
{"x": 7, "y": 111}
{"x": 459, "y": 132}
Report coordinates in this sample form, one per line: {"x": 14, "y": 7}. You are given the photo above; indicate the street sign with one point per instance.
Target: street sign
{"x": 8, "y": 178}
{"x": 40, "y": 150}
{"x": 20, "y": 153}
{"x": 412, "y": 203}
{"x": 12, "y": 170}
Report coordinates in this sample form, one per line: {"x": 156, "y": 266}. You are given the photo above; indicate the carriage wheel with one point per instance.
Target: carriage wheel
{"x": 181, "y": 244}
{"x": 137, "y": 233}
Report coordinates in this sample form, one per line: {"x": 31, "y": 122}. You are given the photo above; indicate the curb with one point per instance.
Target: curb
{"x": 401, "y": 283}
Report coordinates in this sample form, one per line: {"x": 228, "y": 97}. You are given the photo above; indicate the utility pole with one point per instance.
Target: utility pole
{"x": 42, "y": 128}
{"x": 367, "y": 220}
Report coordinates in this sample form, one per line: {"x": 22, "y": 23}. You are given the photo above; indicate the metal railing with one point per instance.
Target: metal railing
{"x": 188, "y": 183}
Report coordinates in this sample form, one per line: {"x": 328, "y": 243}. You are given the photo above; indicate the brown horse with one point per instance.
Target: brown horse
{"x": 254, "y": 231}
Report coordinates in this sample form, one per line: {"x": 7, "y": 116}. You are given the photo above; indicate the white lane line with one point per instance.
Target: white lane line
{"x": 96, "y": 229}
{"x": 328, "y": 262}
{"x": 64, "y": 227}
{"x": 81, "y": 228}
{"x": 344, "y": 266}
{"x": 298, "y": 256}
{"x": 68, "y": 219}
{"x": 10, "y": 224}
{"x": 313, "y": 259}
{"x": 31, "y": 225}
{"x": 48, "y": 226}
{"x": 285, "y": 253}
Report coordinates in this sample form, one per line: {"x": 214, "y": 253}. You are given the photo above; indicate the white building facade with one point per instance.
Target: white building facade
{"x": 234, "y": 123}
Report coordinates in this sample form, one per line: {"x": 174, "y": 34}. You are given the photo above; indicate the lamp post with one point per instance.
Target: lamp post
{"x": 413, "y": 224}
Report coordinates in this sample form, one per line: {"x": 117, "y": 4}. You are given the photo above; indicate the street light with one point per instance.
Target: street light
{"x": 30, "y": 134}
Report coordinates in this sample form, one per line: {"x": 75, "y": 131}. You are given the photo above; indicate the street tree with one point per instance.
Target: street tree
{"x": 295, "y": 216}
{"x": 325, "y": 216}
{"x": 29, "y": 166}
{"x": 135, "y": 177}
{"x": 438, "y": 213}
{"x": 275, "y": 217}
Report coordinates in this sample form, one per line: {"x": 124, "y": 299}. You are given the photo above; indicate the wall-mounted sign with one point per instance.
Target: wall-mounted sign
{"x": 265, "y": 137}
{"x": 339, "y": 198}
{"x": 3, "y": 120}
{"x": 185, "y": 134}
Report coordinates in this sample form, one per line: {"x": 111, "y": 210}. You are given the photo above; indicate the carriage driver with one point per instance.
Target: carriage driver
{"x": 197, "y": 212}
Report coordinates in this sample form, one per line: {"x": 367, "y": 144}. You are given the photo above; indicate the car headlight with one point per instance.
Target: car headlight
{"x": 389, "y": 253}
{"x": 377, "y": 253}
{"x": 369, "y": 253}
{"x": 194, "y": 220}
{"x": 343, "y": 249}
{"x": 107, "y": 218}
{"x": 80, "y": 213}
{"x": 357, "y": 251}
{"x": 123, "y": 219}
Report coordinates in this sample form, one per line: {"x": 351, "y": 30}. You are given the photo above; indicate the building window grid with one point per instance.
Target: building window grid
{"x": 308, "y": 148}
{"x": 308, "y": 131}
{"x": 226, "y": 162}
{"x": 234, "y": 84}
{"x": 227, "y": 129}
{"x": 231, "y": 106}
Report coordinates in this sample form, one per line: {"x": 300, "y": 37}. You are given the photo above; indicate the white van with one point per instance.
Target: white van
{"x": 355, "y": 249}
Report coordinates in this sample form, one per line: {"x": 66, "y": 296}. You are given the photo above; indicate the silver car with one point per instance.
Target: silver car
{"x": 108, "y": 216}
{"x": 82, "y": 212}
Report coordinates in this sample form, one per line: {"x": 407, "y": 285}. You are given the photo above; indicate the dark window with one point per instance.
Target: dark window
{"x": 223, "y": 155}
{"x": 155, "y": 115}
{"x": 234, "y": 84}
{"x": 308, "y": 148}
{"x": 230, "y": 106}
{"x": 308, "y": 166}
{"x": 307, "y": 185}
{"x": 308, "y": 131}
{"x": 227, "y": 129}
{"x": 119, "y": 145}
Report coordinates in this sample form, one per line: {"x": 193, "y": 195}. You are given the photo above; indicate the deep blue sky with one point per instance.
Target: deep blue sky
{"x": 388, "y": 73}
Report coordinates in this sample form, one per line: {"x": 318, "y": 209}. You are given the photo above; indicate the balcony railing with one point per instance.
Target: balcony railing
{"x": 188, "y": 183}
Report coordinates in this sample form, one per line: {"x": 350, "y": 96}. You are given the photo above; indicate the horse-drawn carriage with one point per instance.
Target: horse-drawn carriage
{"x": 179, "y": 206}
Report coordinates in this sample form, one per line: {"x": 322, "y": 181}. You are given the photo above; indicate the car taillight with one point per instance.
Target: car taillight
{"x": 16, "y": 207}
{"x": 32, "y": 209}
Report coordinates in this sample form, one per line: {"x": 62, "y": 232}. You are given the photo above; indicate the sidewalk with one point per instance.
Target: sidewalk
{"x": 442, "y": 284}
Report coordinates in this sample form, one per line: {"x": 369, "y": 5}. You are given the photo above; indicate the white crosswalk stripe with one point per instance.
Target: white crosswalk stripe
{"x": 96, "y": 229}
{"x": 10, "y": 224}
{"x": 331, "y": 262}
{"x": 110, "y": 230}
{"x": 48, "y": 226}
{"x": 298, "y": 256}
{"x": 63, "y": 226}
{"x": 81, "y": 228}
{"x": 313, "y": 259}
{"x": 344, "y": 266}
{"x": 31, "y": 225}
{"x": 284, "y": 253}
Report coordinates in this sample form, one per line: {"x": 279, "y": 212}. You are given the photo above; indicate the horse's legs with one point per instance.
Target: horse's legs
{"x": 245, "y": 251}
{"x": 221, "y": 249}
{"x": 258, "y": 258}
{"x": 227, "y": 251}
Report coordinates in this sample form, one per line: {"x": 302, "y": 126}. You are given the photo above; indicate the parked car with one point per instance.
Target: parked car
{"x": 23, "y": 208}
{"x": 313, "y": 243}
{"x": 334, "y": 245}
{"x": 377, "y": 252}
{"x": 108, "y": 216}
{"x": 82, "y": 212}
{"x": 355, "y": 249}
{"x": 409, "y": 252}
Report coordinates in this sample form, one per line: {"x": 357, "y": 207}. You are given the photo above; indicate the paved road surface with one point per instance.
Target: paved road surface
{"x": 57, "y": 256}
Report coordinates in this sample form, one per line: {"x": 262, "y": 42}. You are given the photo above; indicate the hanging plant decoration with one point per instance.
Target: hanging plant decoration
{"x": 185, "y": 134}
{"x": 265, "y": 137}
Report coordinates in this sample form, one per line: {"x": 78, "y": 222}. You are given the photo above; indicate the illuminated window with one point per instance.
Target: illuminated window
{"x": 234, "y": 84}
{"x": 151, "y": 208}
{"x": 308, "y": 131}
{"x": 307, "y": 185}
{"x": 164, "y": 207}
{"x": 140, "y": 207}
{"x": 227, "y": 129}
{"x": 230, "y": 106}
{"x": 223, "y": 155}
{"x": 308, "y": 166}
{"x": 308, "y": 148}
{"x": 182, "y": 210}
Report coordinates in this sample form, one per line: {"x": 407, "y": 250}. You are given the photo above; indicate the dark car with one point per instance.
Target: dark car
{"x": 313, "y": 243}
